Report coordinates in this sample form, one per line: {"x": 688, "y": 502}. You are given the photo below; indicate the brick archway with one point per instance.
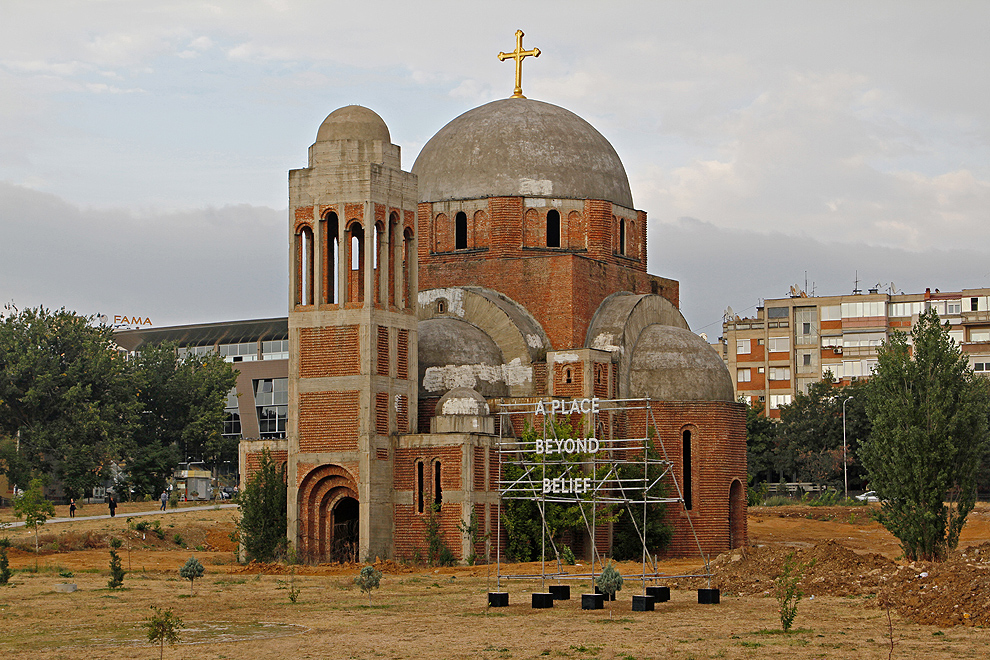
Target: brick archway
{"x": 737, "y": 514}
{"x": 321, "y": 490}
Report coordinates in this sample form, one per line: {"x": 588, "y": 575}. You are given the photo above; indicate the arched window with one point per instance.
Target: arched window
{"x": 331, "y": 271}
{"x": 304, "y": 257}
{"x": 553, "y": 228}
{"x": 355, "y": 285}
{"x": 378, "y": 255}
{"x": 460, "y": 231}
{"x": 407, "y": 257}
{"x": 568, "y": 375}
{"x": 622, "y": 236}
{"x": 420, "y": 499}
{"x": 437, "y": 488}
{"x": 393, "y": 246}
{"x": 686, "y": 463}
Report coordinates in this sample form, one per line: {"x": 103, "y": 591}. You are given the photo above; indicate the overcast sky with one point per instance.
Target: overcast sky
{"x": 144, "y": 146}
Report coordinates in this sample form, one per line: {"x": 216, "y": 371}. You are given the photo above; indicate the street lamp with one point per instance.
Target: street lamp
{"x": 845, "y": 465}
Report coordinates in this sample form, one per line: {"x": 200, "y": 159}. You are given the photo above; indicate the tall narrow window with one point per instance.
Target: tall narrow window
{"x": 419, "y": 487}
{"x": 407, "y": 256}
{"x": 379, "y": 262}
{"x": 622, "y": 236}
{"x": 460, "y": 231}
{"x": 305, "y": 257}
{"x": 437, "y": 488}
{"x": 355, "y": 284}
{"x": 553, "y": 229}
{"x": 393, "y": 245}
{"x": 331, "y": 273}
{"x": 686, "y": 462}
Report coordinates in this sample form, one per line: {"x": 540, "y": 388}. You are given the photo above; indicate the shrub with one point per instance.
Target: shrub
{"x": 163, "y": 626}
{"x": 263, "y": 511}
{"x": 437, "y": 551}
{"x": 787, "y": 592}
{"x": 5, "y": 571}
{"x": 116, "y": 570}
{"x": 609, "y": 582}
{"x": 192, "y": 570}
{"x": 368, "y": 579}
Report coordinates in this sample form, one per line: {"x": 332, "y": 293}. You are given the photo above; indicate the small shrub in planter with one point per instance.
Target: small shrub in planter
{"x": 609, "y": 582}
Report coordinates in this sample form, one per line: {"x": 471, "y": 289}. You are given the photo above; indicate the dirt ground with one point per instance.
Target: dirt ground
{"x": 234, "y": 611}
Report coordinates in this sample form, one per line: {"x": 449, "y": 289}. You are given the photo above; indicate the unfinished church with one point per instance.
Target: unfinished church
{"x": 508, "y": 265}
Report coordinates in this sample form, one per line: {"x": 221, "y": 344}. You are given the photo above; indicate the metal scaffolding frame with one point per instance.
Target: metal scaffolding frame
{"x": 599, "y": 471}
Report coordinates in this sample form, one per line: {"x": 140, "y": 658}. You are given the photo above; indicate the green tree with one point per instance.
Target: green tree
{"x": 929, "y": 417}
{"x": 163, "y": 626}
{"x": 34, "y": 508}
{"x": 64, "y": 393}
{"x": 182, "y": 404}
{"x": 368, "y": 579}
{"x": 761, "y": 435}
{"x": 263, "y": 511}
{"x": 609, "y": 582}
{"x": 190, "y": 571}
{"x": 5, "y": 571}
{"x": 809, "y": 436}
{"x": 116, "y": 569}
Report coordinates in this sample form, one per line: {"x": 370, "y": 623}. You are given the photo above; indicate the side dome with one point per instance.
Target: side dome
{"x": 455, "y": 353}
{"x": 462, "y": 401}
{"x": 353, "y": 122}
{"x": 674, "y": 364}
{"x": 520, "y": 147}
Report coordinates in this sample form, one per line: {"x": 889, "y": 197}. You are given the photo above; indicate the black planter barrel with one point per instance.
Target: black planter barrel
{"x": 560, "y": 591}
{"x": 708, "y": 596}
{"x": 611, "y": 597}
{"x": 498, "y": 599}
{"x": 592, "y": 601}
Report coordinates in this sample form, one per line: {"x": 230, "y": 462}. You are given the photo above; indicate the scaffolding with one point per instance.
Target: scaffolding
{"x": 595, "y": 474}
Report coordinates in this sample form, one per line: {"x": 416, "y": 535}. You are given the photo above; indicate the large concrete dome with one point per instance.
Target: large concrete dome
{"x": 455, "y": 353}
{"x": 520, "y": 147}
{"x": 674, "y": 364}
{"x": 353, "y": 122}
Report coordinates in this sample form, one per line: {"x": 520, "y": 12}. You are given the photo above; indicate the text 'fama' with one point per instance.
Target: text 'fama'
{"x": 587, "y": 406}
{"x": 567, "y": 485}
{"x": 567, "y": 446}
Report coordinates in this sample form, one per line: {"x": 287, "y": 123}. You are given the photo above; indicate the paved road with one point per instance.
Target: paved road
{"x": 154, "y": 512}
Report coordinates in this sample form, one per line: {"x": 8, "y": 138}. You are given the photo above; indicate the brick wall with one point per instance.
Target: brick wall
{"x": 329, "y": 352}
{"x": 328, "y": 421}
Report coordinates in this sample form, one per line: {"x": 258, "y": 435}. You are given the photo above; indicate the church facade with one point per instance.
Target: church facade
{"x": 509, "y": 265}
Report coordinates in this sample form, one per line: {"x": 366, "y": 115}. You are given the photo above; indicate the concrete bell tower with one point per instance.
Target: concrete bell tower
{"x": 352, "y": 337}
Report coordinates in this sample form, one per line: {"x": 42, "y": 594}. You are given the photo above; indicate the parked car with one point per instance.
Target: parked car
{"x": 868, "y": 496}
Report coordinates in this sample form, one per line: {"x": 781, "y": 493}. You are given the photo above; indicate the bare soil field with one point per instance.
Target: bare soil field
{"x": 245, "y": 611}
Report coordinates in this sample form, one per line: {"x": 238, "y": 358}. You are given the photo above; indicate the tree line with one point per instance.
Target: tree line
{"x": 72, "y": 403}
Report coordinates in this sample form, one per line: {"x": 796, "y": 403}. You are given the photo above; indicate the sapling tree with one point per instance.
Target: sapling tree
{"x": 368, "y": 579}
{"x": 787, "y": 591}
{"x": 34, "y": 508}
{"x": 163, "y": 626}
{"x": 192, "y": 570}
{"x": 116, "y": 570}
{"x": 5, "y": 571}
{"x": 609, "y": 582}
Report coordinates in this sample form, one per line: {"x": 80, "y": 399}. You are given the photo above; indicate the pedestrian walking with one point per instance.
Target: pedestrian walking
{"x": 72, "y": 508}
{"x": 164, "y": 499}
{"x": 113, "y": 506}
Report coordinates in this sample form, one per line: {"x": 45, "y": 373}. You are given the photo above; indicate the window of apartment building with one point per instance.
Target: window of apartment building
{"x": 863, "y": 309}
{"x": 231, "y": 415}
{"x": 805, "y": 359}
{"x": 276, "y": 349}
{"x": 905, "y": 309}
{"x": 271, "y": 398}
{"x": 760, "y": 370}
{"x": 974, "y": 304}
{"x": 744, "y": 375}
{"x": 195, "y": 350}
{"x": 958, "y": 336}
{"x": 981, "y": 366}
{"x": 953, "y": 307}
{"x": 777, "y": 312}
{"x": 979, "y": 334}
{"x": 856, "y": 368}
{"x": 780, "y": 344}
{"x": 742, "y": 346}
{"x": 779, "y": 373}
{"x": 831, "y": 312}
{"x": 242, "y": 352}
{"x": 778, "y": 400}
{"x": 863, "y": 339}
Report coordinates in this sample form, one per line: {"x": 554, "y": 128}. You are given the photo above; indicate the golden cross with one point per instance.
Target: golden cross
{"x": 518, "y": 55}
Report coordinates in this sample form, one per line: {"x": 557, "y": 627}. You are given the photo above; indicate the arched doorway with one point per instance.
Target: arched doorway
{"x": 737, "y": 515}
{"x": 344, "y": 531}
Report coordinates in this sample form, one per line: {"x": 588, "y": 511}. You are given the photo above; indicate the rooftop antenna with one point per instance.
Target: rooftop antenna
{"x": 856, "y": 289}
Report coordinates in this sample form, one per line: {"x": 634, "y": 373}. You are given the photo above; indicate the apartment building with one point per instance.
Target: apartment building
{"x": 793, "y": 342}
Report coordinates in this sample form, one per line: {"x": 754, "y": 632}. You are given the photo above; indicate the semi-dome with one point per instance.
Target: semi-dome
{"x": 674, "y": 364}
{"x": 520, "y": 147}
{"x": 462, "y": 401}
{"x": 455, "y": 353}
{"x": 353, "y": 122}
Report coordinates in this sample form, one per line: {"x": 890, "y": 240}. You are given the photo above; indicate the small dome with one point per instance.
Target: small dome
{"x": 674, "y": 364}
{"x": 353, "y": 122}
{"x": 520, "y": 147}
{"x": 462, "y": 401}
{"x": 455, "y": 353}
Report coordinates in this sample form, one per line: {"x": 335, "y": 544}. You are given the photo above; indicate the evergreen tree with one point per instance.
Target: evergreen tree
{"x": 929, "y": 417}
{"x": 192, "y": 570}
{"x": 263, "y": 511}
{"x": 116, "y": 569}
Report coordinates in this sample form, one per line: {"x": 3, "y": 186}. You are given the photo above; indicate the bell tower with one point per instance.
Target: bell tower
{"x": 352, "y": 336}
